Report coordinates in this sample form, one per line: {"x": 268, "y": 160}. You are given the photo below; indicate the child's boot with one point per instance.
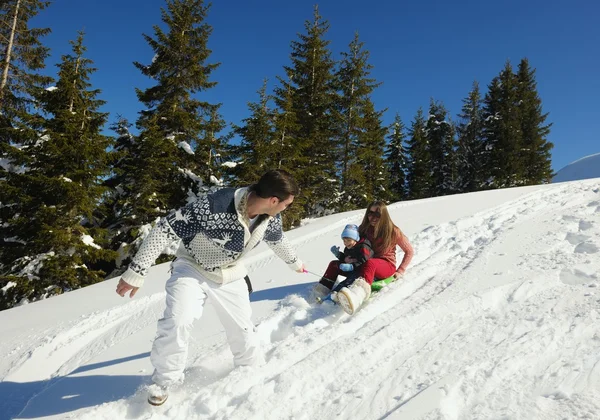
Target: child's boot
{"x": 319, "y": 291}
{"x": 352, "y": 297}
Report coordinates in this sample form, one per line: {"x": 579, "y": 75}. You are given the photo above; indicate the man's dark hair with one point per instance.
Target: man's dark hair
{"x": 276, "y": 183}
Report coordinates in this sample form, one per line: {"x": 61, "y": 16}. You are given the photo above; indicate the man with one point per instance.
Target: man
{"x": 216, "y": 231}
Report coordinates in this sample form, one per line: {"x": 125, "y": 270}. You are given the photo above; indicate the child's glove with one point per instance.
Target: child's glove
{"x": 346, "y": 267}
{"x": 335, "y": 250}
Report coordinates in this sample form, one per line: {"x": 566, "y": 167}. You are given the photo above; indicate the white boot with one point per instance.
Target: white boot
{"x": 318, "y": 292}
{"x": 352, "y": 297}
{"x": 157, "y": 394}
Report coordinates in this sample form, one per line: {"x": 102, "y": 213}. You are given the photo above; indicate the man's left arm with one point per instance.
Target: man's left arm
{"x": 281, "y": 246}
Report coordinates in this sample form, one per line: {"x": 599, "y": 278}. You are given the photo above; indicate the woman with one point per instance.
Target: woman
{"x": 384, "y": 235}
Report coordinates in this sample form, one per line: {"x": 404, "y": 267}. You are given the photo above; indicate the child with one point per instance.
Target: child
{"x": 356, "y": 252}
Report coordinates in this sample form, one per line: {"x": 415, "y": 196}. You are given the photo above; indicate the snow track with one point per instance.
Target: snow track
{"x": 497, "y": 317}
{"x": 59, "y": 351}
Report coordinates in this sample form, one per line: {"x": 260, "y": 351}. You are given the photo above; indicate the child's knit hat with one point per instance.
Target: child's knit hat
{"x": 351, "y": 231}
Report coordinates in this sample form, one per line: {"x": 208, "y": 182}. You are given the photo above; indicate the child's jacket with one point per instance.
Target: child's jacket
{"x": 361, "y": 252}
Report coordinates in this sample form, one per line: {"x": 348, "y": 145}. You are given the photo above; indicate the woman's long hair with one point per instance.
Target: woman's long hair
{"x": 385, "y": 231}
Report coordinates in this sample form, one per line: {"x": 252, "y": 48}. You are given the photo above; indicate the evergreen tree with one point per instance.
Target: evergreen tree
{"x": 175, "y": 126}
{"x": 116, "y": 211}
{"x": 178, "y": 148}
{"x": 369, "y": 145}
{"x": 440, "y": 140}
{"x": 310, "y": 83}
{"x": 502, "y": 131}
{"x": 396, "y": 160}
{"x": 418, "y": 175}
{"x": 535, "y": 148}
{"x": 491, "y": 118}
{"x": 286, "y": 151}
{"x": 470, "y": 157}
{"x": 257, "y": 141}
{"x": 212, "y": 150}
{"x": 57, "y": 241}
{"x": 22, "y": 56}
{"x": 355, "y": 87}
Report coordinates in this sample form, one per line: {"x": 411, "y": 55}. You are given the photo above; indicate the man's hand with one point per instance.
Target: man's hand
{"x": 301, "y": 270}
{"x": 124, "y": 287}
{"x": 399, "y": 273}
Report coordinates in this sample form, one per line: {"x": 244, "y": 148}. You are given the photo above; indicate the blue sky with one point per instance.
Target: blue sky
{"x": 419, "y": 50}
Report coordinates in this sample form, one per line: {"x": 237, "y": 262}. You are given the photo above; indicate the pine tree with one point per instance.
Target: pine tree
{"x": 256, "y": 152}
{"x": 490, "y": 129}
{"x": 116, "y": 211}
{"x": 396, "y": 160}
{"x": 213, "y": 147}
{"x": 310, "y": 86}
{"x": 502, "y": 131}
{"x": 355, "y": 87}
{"x": 58, "y": 240}
{"x": 178, "y": 148}
{"x": 286, "y": 151}
{"x": 369, "y": 146}
{"x": 535, "y": 148}
{"x": 440, "y": 139}
{"x": 418, "y": 175}
{"x": 175, "y": 125}
{"x": 22, "y": 56}
{"x": 470, "y": 153}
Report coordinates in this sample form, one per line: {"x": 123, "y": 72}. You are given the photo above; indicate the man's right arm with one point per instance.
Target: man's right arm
{"x": 159, "y": 237}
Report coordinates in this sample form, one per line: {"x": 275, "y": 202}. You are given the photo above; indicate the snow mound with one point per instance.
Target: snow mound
{"x": 584, "y": 168}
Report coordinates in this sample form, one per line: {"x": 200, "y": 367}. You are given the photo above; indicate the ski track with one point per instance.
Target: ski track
{"x": 72, "y": 345}
{"x": 435, "y": 335}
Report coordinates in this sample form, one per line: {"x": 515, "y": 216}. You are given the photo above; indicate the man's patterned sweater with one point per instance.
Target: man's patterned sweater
{"x": 214, "y": 234}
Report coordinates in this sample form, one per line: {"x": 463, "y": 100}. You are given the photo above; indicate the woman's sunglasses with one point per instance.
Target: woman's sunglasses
{"x": 373, "y": 213}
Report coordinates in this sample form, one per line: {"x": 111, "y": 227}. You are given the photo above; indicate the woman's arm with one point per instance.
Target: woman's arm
{"x": 409, "y": 252}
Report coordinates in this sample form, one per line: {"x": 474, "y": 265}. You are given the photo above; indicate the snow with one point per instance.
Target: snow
{"x": 15, "y": 239}
{"x": 215, "y": 181}
{"x": 584, "y": 168}
{"x": 8, "y": 286}
{"x": 195, "y": 178}
{"x": 41, "y": 140}
{"x": 89, "y": 241}
{"x": 497, "y": 317}
{"x": 186, "y": 147}
{"x": 8, "y": 166}
{"x": 5, "y": 164}
{"x": 33, "y": 266}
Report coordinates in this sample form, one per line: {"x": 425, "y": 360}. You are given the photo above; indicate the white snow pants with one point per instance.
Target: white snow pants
{"x": 187, "y": 291}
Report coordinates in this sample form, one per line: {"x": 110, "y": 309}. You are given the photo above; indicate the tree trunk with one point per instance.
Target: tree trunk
{"x": 8, "y": 53}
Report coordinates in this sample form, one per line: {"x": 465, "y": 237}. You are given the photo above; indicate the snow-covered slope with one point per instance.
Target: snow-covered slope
{"x": 497, "y": 317}
{"x": 584, "y": 168}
